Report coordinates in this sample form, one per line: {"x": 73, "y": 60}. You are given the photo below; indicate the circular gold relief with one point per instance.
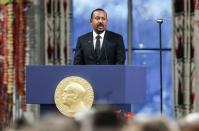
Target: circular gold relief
{"x": 73, "y": 94}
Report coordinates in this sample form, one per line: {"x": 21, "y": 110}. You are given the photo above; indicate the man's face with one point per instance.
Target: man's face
{"x": 99, "y": 21}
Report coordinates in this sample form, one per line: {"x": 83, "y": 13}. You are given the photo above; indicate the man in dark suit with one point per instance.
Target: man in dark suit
{"x": 99, "y": 47}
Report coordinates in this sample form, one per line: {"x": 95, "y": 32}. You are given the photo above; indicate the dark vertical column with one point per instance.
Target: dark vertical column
{"x": 129, "y": 32}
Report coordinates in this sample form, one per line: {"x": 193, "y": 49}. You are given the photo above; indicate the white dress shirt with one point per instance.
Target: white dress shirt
{"x": 101, "y": 39}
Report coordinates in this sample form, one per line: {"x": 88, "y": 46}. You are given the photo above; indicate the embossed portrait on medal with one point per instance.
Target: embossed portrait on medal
{"x": 72, "y": 97}
{"x": 73, "y": 94}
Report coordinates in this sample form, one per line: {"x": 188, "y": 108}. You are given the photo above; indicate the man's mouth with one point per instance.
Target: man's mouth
{"x": 100, "y": 26}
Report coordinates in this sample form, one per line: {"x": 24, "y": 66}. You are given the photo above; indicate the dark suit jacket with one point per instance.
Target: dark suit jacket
{"x": 112, "y": 50}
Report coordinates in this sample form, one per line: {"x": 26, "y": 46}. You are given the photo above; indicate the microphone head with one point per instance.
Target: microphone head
{"x": 159, "y": 21}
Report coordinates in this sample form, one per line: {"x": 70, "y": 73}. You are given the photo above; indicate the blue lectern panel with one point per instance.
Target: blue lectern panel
{"x": 135, "y": 84}
{"x": 108, "y": 82}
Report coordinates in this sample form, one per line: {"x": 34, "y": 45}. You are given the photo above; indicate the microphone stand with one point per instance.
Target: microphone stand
{"x": 160, "y": 21}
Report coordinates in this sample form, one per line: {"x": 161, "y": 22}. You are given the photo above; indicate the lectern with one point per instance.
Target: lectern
{"x": 115, "y": 84}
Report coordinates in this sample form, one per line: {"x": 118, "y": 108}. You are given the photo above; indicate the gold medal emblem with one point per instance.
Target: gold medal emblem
{"x": 73, "y": 94}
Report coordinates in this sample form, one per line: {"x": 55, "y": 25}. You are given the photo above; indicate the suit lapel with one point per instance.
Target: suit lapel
{"x": 90, "y": 43}
{"x": 105, "y": 41}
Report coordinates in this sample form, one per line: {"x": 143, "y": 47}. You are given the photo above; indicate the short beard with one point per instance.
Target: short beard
{"x": 98, "y": 31}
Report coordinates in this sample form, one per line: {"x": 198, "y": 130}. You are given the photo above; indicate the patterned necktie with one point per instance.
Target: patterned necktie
{"x": 97, "y": 46}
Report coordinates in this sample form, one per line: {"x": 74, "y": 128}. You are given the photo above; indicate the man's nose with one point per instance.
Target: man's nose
{"x": 100, "y": 20}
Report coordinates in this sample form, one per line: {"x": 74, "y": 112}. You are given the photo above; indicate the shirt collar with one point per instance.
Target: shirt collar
{"x": 95, "y": 34}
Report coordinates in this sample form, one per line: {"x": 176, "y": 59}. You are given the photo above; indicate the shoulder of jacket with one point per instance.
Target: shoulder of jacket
{"x": 113, "y": 33}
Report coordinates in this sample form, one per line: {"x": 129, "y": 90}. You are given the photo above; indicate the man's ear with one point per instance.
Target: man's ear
{"x": 90, "y": 21}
